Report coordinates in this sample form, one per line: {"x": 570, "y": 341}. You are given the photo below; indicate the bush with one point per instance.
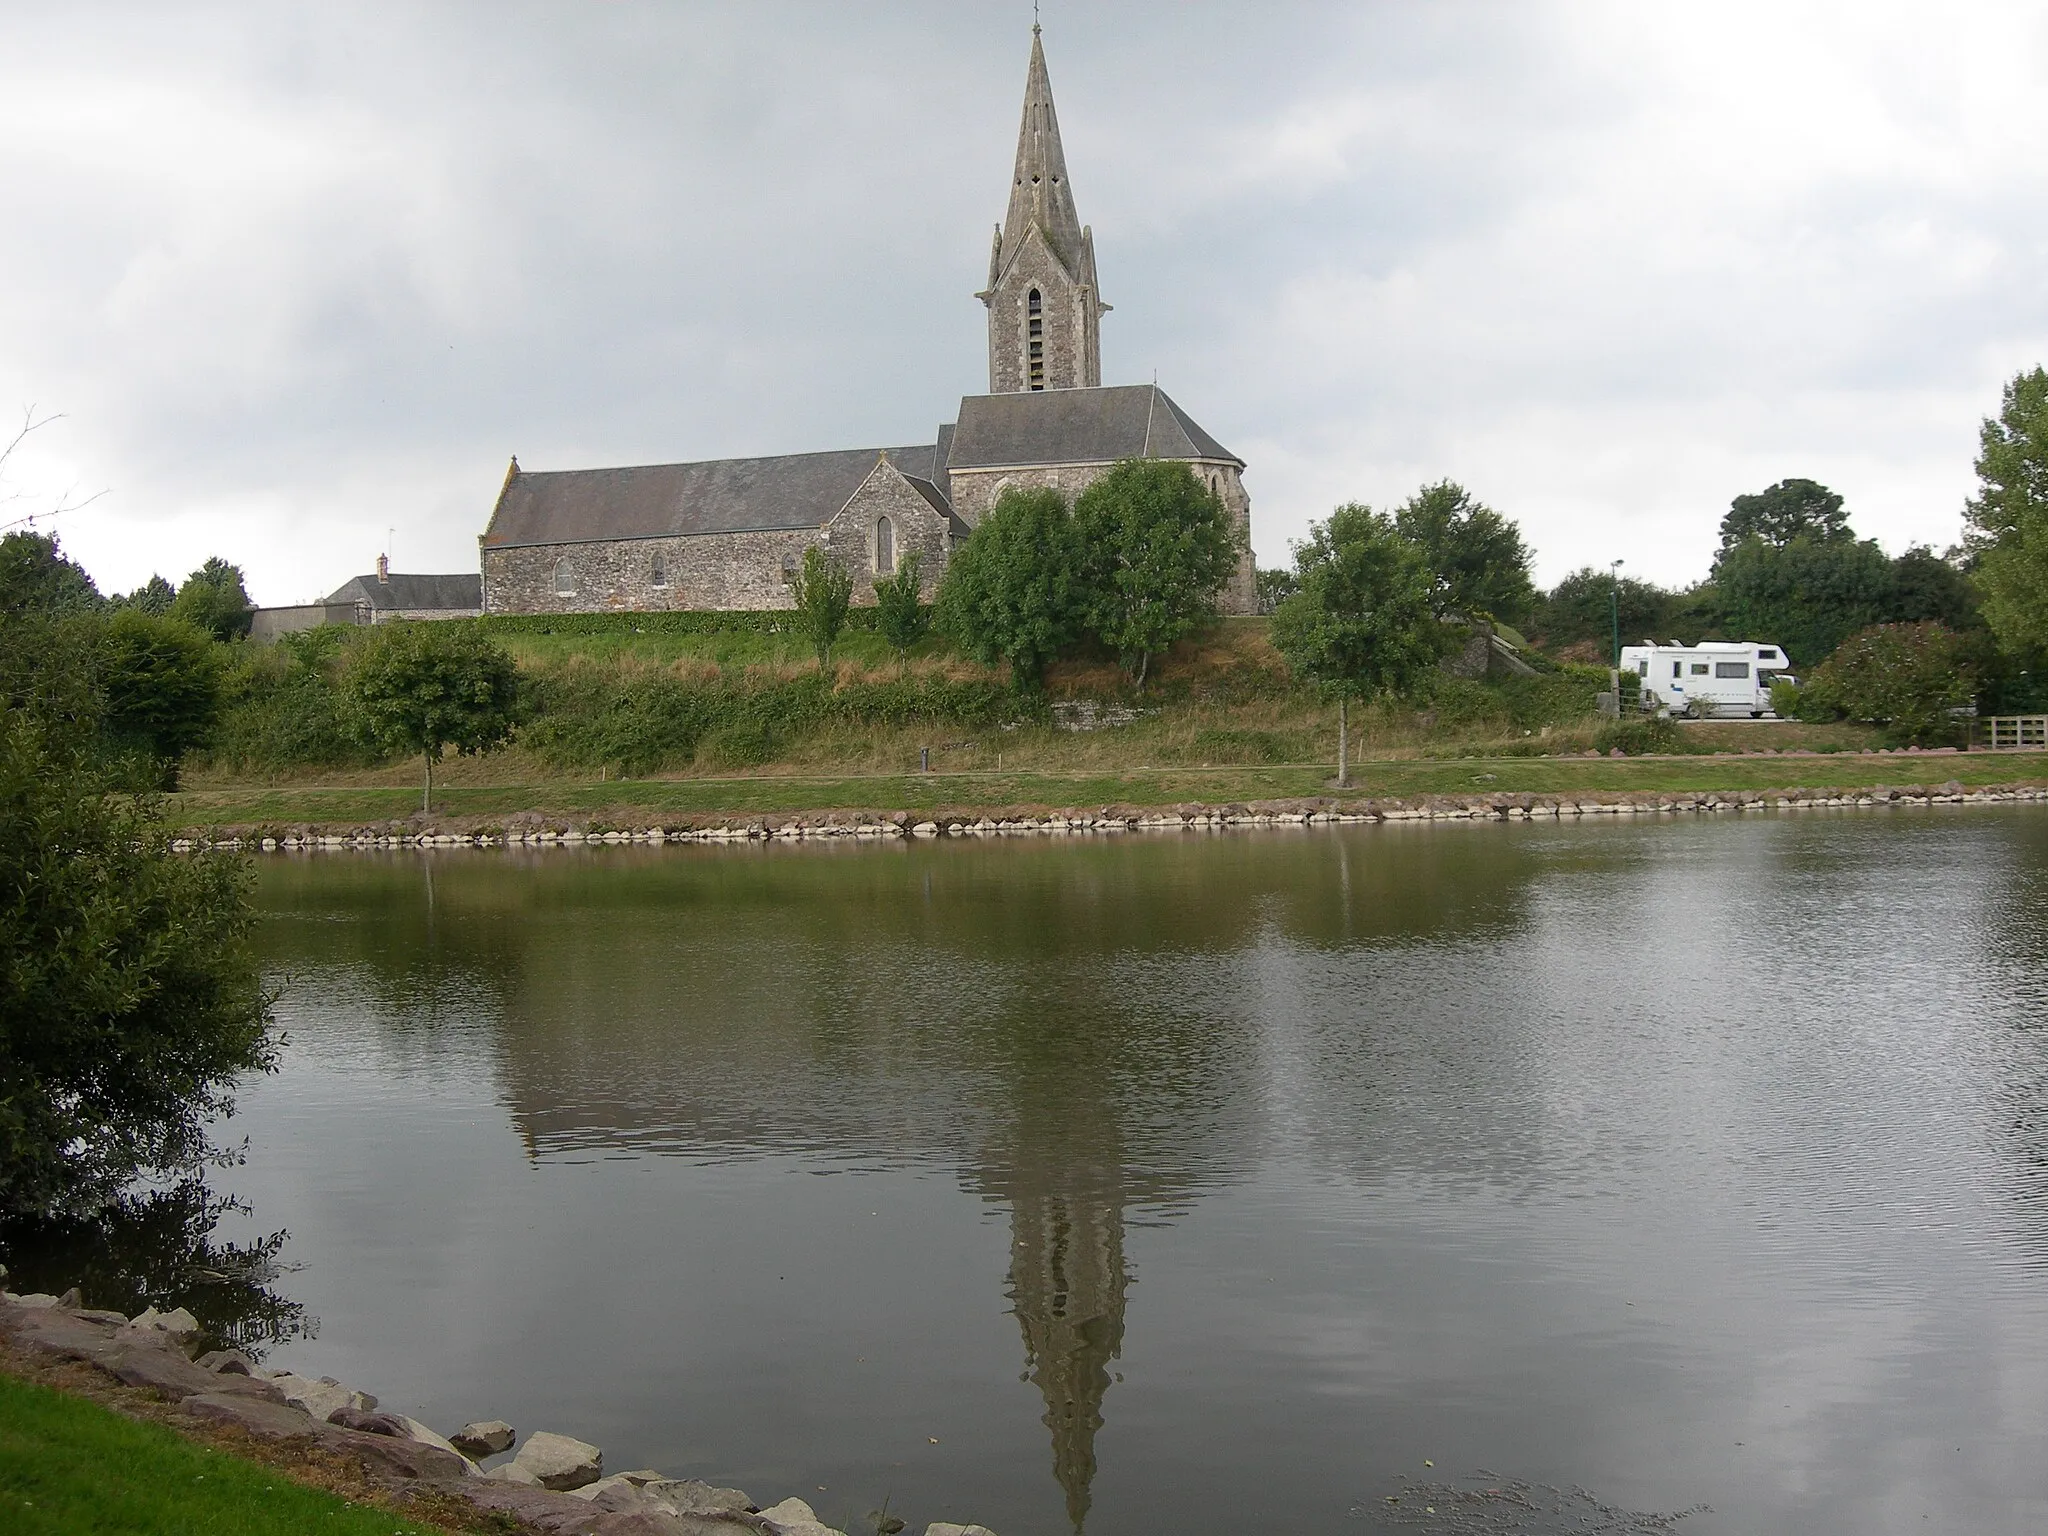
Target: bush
{"x": 1905, "y": 677}
{"x": 129, "y": 998}
{"x": 1639, "y": 737}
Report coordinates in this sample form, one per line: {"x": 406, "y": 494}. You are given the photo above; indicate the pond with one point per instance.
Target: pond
{"x": 1199, "y": 1183}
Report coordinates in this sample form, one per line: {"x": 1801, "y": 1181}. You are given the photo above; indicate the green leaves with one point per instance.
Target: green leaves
{"x": 424, "y": 687}
{"x": 1905, "y": 677}
{"x": 1361, "y": 622}
{"x": 900, "y": 613}
{"x": 129, "y": 998}
{"x": 2009, "y": 516}
{"x": 214, "y": 599}
{"x": 1012, "y": 591}
{"x": 1477, "y": 556}
{"x": 1156, "y": 547}
{"x": 823, "y": 592}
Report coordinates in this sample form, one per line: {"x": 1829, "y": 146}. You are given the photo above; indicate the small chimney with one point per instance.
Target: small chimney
{"x": 383, "y": 570}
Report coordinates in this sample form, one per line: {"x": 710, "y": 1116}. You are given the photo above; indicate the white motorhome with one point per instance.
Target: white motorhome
{"x": 1727, "y": 679}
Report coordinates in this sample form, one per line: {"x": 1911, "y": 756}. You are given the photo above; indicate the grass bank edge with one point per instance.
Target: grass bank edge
{"x": 684, "y": 802}
{"x": 70, "y": 1465}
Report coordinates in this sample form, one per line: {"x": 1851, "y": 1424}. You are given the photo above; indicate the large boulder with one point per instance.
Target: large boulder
{"x": 560, "y": 1462}
{"x": 178, "y": 1324}
{"x": 226, "y": 1362}
{"x": 944, "y": 1528}
{"x": 273, "y": 1421}
{"x": 512, "y": 1472}
{"x": 394, "y": 1454}
{"x": 415, "y": 1430}
{"x": 321, "y": 1396}
{"x": 793, "y": 1517}
{"x": 485, "y": 1439}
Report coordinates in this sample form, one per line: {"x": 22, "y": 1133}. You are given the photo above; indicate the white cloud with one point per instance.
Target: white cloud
{"x": 299, "y": 276}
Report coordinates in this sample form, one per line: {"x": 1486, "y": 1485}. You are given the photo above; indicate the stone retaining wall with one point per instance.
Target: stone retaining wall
{"x": 534, "y": 831}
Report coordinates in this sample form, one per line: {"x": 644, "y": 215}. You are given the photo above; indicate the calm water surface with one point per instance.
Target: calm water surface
{"x": 1203, "y": 1184}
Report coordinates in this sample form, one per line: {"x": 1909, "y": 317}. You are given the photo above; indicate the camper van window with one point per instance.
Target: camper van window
{"x": 1731, "y": 669}
{"x": 1766, "y": 653}
{"x": 1699, "y": 669}
{"x": 1678, "y": 669}
{"x": 1643, "y": 667}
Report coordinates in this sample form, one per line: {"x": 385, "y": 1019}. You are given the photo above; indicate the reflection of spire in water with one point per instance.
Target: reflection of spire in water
{"x": 1067, "y": 1285}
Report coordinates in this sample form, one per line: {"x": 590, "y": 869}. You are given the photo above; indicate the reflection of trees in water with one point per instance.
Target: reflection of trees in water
{"x": 1075, "y": 1025}
{"x": 158, "y": 1249}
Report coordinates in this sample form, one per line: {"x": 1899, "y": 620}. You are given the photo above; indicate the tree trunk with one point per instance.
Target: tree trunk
{"x": 427, "y": 794}
{"x": 1144, "y": 665}
{"x": 1343, "y": 741}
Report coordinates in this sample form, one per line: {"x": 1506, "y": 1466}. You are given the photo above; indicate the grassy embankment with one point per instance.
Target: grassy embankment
{"x": 69, "y": 1466}
{"x": 1220, "y": 724}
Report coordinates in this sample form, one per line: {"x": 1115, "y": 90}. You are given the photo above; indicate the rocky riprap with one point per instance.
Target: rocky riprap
{"x": 530, "y": 831}
{"x": 553, "y": 1483}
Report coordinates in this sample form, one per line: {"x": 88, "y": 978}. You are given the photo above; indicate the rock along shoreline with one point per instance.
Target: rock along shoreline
{"x": 553, "y": 1484}
{"x": 533, "y": 830}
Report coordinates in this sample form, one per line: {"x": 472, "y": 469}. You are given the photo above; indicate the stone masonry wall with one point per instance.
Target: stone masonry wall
{"x": 718, "y": 570}
{"x": 1073, "y": 354}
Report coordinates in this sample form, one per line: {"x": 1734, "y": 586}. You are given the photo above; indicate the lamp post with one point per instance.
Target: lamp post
{"x": 1614, "y": 612}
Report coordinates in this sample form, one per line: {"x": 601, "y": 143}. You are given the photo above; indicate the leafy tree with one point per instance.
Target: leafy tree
{"x": 214, "y": 599}
{"x": 1808, "y": 595}
{"x": 1361, "y": 623}
{"x": 36, "y": 578}
{"x": 1905, "y": 677}
{"x": 899, "y": 606}
{"x": 1930, "y": 586}
{"x": 425, "y": 687}
{"x": 823, "y": 591}
{"x": 1012, "y": 592}
{"x": 1580, "y": 608}
{"x": 2009, "y": 516}
{"x": 1156, "y": 547}
{"x": 1789, "y": 510}
{"x": 1478, "y": 557}
{"x": 129, "y": 998}
{"x": 154, "y": 596}
{"x": 162, "y": 684}
{"x": 1274, "y": 588}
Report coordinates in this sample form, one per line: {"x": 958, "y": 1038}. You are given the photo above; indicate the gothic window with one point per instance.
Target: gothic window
{"x": 565, "y": 578}
{"x": 1034, "y": 335}
{"x": 885, "y": 547}
{"x": 657, "y": 571}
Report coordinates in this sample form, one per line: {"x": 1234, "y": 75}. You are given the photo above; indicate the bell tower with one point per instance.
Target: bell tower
{"x": 1044, "y": 309}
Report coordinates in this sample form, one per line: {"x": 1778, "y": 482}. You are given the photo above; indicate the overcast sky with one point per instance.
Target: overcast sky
{"x": 298, "y": 277}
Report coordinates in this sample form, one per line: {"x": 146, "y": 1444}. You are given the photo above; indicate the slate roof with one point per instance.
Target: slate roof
{"x": 1077, "y": 426}
{"x": 459, "y": 592}
{"x": 799, "y": 490}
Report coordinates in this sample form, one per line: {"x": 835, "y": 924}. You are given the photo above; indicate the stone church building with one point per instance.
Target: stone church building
{"x": 728, "y": 533}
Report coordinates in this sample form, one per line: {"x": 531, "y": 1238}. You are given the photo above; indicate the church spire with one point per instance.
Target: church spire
{"x": 1043, "y": 303}
{"x": 1039, "y": 192}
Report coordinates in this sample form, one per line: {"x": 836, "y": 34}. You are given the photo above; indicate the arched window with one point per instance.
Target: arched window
{"x": 657, "y": 571}
{"x": 565, "y": 578}
{"x": 885, "y": 548}
{"x": 1034, "y": 339}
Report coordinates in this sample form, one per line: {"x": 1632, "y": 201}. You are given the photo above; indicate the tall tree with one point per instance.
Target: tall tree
{"x": 1930, "y": 586}
{"x": 1012, "y": 592}
{"x": 1791, "y": 509}
{"x": 1361, "y": 623}
{"x": 823, "y": 592}
{"x": 1477, "y": 557}
{"x": 154, "y": 596}
{"x": 1580, "y": 608}
{"x": 130, "y": 1001}
{"x": 214, "y": 599}
{"x": 425, "y": 687}
{"x": 36, "y": 578}
{"x": 2009, "y": 516}
{"x": 1156, "y": 547}
{"x": 1808, "y": 595}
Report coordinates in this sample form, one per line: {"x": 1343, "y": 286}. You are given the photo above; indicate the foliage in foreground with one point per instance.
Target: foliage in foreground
{"x": 129, "y": 998}
{"x": 2009, "y": 516}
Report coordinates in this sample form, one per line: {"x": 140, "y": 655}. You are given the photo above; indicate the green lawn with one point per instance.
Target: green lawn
{"x": 767, "y": 794}
{"x": 69, "y": 1467}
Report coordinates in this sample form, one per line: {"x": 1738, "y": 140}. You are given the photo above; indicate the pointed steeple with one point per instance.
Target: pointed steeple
{"x": 1044, "y": 306}
{"x": 1039, "y": 191}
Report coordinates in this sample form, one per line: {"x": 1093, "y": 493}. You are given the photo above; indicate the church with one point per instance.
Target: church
{"x": 730, "y": 533}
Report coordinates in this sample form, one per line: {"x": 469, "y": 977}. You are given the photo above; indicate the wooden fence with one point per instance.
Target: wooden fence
{"x": 2009, "y": 731}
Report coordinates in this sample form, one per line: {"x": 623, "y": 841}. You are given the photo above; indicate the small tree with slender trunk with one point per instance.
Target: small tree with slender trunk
{"x": 823, "y": 592}
{"x": 1360, "y": 624}
{"x": 900, "y": 612}
{"x": 425, "y": 687}
{"x": 1156, "y": 547}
